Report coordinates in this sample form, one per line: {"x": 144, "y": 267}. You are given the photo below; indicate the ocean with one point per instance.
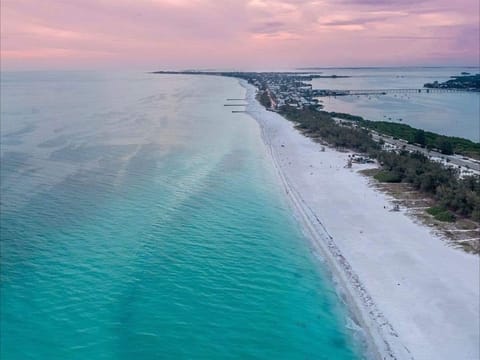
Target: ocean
{"x": 453, "y": 114}
{"x": 142, "y": 219}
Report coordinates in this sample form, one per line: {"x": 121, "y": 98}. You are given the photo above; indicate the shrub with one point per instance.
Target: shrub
{"x": 441, "y": 214}
{"x": 388, "y": 176}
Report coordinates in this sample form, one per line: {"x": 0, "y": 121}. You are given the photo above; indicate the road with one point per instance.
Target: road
{"x": 453, "y": 159}
{"x": 458, "y": 160}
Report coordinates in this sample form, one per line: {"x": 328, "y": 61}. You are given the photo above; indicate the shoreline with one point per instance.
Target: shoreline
{"x": 376, "y": 346}
{"x": 368, "y": 299}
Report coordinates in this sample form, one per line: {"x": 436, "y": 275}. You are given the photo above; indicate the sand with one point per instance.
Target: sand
{"x": 416, "y": 297}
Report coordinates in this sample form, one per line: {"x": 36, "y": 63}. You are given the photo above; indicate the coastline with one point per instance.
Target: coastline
{"x": 401, "y": 282}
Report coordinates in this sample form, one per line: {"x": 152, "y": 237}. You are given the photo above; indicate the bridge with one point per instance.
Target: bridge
{"x": 347, "y": 92}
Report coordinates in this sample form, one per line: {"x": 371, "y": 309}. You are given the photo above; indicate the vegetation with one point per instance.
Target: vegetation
{"x": 441, "y": 214}
{"x": 388, "y": 176}
{"x": 465, "y": 82}
{"x": 445, "y": 144}
{"x": 460, "y": 195}
{"x": 321, "y": 124}
{"x": 452, "y": 193}
{"x": 264, "y": 99}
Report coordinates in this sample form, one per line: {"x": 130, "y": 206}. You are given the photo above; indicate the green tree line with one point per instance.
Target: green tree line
{"x": 447, "y": 145}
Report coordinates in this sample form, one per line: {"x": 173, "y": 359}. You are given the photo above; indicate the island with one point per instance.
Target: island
{"x": 463, "y": 82}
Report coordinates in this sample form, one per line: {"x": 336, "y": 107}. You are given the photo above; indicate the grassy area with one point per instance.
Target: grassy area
{"x": 441, "y": 214}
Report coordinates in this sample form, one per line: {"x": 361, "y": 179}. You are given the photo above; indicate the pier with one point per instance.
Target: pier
{"x": 349, "y": 92}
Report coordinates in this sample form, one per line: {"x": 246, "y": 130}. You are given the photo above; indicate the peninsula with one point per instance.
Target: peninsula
{"x": 425, "y": 159}
{"x": 406, "y": 285}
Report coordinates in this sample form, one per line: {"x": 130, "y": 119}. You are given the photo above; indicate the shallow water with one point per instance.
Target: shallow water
{"x": 141, "y": 219}
{"x": 454, "y": 114}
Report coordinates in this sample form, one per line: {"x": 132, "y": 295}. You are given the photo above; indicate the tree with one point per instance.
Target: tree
{"x": 419, "y": 138}
{"x": 445, "y": 147}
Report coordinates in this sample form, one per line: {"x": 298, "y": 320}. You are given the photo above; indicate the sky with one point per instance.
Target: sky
{"x": 236, "y": 34}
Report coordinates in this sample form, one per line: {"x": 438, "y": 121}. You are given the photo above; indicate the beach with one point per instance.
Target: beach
{"x": 416, "y": 297}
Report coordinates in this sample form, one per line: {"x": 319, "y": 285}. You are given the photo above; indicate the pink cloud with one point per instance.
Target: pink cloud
{"x": 234, "y": 33}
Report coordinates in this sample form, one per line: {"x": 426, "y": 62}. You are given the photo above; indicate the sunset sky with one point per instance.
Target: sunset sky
{"x": 250, "y": 34}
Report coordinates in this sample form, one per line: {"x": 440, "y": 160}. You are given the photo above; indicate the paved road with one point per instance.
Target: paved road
{"x": 453, "y": 159}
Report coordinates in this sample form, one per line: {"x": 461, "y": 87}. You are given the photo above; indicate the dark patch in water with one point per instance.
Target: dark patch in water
{"x": 28, "y": 128}
{"x": 233, "y": 161}
{"x": 338, "y": 342}
{"x": 12, "y": 163}
{"x": 58, "y": 141}
{"x": 11, "y": 141}
{"x": 82, "y": 153}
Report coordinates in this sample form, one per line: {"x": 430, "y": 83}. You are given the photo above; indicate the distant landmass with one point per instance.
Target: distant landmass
{"x": 465, "y": 82}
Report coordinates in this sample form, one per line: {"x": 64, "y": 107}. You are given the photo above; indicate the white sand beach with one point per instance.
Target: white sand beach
{"x": 417, "y": 297}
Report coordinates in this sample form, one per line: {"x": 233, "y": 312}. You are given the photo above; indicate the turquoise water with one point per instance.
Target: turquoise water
{"x": 454, "y": 114}
{"x": 141, "y": 219}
